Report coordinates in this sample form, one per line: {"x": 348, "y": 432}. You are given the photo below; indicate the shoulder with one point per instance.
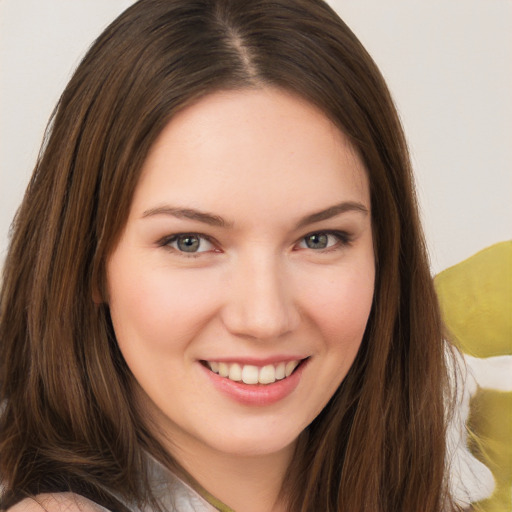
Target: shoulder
{"x": 57, "y": 502}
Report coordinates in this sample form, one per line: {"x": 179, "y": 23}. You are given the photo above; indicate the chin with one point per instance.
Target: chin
{"x": 256, "y": 446}
{"x": 255, "y": 437}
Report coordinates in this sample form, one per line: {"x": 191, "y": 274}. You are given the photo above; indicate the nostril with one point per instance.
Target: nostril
{"x": 258, "y": 324}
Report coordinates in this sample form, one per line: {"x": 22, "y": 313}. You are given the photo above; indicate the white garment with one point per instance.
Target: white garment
{"x": 172, "y": 493}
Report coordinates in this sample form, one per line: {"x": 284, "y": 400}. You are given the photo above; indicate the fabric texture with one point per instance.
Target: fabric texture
{"x": 476, "y": 300}
{"x": 171, "y": 493}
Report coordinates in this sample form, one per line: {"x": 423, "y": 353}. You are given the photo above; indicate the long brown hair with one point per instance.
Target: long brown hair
{"x": 69, "y": 421}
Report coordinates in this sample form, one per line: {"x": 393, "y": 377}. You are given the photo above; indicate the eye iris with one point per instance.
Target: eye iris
{"x": 317, "y": 241}
{"x": 188, "y": 243}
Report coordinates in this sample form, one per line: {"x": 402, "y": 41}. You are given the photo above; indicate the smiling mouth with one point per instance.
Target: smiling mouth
{"x": 251, "y": 374}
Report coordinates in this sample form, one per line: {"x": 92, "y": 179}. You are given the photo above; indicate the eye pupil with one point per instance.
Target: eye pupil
{"x": 188, "y": 243}
{"x": 317, "y": 241}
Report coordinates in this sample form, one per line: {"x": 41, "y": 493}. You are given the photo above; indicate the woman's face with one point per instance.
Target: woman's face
{"x": 243, "y": 280}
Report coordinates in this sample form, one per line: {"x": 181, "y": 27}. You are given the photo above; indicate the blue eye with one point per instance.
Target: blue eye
{"x": 322, "y": 240}
{"x": 189, "y": 242}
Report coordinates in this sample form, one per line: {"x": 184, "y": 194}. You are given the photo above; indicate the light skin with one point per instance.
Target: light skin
{"x": 248, "y": 240}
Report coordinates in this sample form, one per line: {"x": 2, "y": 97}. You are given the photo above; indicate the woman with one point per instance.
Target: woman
{"x": 217, "y": 292}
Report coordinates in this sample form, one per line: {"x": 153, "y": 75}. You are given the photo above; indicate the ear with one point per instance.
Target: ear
{"x": 99, "y": 294}
{"x": 96, "y": 296}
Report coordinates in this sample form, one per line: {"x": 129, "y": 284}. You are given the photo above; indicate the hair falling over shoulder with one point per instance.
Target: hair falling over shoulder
{"x": 68, "y": 420}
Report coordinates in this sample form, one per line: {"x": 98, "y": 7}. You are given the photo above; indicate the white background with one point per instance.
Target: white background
{"x": 448, "y": 64}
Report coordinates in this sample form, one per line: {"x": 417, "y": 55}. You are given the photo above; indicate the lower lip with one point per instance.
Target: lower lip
{"x": 256, "y": 394}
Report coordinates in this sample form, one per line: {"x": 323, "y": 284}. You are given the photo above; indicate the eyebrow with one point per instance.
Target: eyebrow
{"x": 188, "y": 213}
{"x": 216, "y": 220}
{"x": 333, "y": 211}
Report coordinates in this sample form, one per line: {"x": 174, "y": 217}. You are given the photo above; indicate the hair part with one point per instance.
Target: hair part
{"x": 69, "y": 420}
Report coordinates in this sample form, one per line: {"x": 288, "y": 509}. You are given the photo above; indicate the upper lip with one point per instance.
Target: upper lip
{"x": 257, "y": 361}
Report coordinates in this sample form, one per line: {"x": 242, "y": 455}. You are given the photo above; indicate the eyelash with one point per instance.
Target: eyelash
{"x": 168, "y": 240}
{"x": 343, "y": 240}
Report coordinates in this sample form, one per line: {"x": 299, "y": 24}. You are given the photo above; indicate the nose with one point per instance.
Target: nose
{"x": 260, "y": 302}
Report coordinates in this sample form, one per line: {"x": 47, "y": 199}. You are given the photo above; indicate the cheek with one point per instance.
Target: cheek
{"x": 158, "y": 309}
{"x": 341, "y": 305}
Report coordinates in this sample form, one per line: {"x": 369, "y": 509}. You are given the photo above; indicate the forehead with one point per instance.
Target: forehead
{"x": 252, "y": 149}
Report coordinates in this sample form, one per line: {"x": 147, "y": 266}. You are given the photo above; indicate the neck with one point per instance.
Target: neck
{"x": 243, "y": 483}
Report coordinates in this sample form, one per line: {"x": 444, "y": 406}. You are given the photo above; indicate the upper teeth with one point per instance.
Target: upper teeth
{"x": 250, "y": 374}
